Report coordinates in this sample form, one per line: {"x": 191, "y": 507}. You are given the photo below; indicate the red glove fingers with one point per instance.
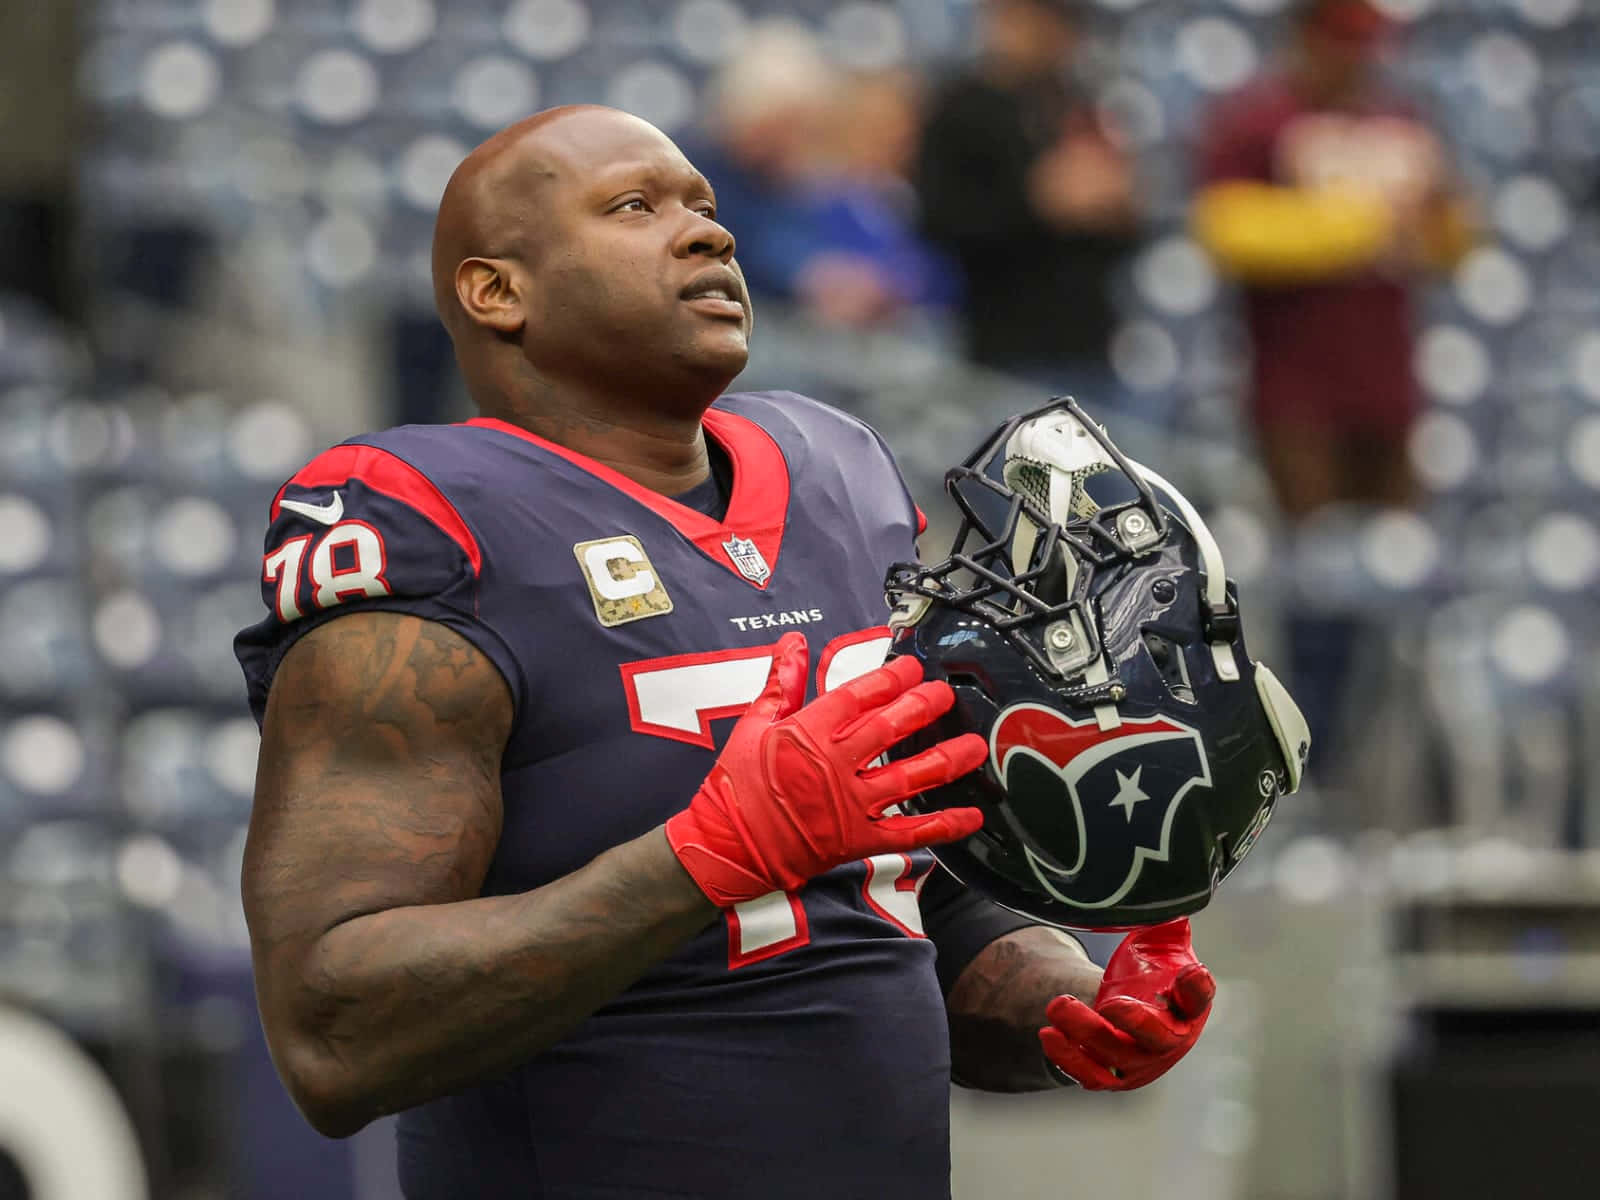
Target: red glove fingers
{"x": 1152, "y": 1004}
{"x": 790, "y": 796}
{"x": 874, "y": 731}
{"x": 837, "y": 710}
{"x": 939, "y": 764}
{"x": 1091, "y": 1032}
{"x": 896, "y": 781}
{"x": 1149, "y": 1028}
{"x": 1122, "y": 1045}
{"x": 1086, "y": 1072}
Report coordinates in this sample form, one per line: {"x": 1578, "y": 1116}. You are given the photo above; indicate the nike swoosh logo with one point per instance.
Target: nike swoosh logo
{"x": 328, "y": 513}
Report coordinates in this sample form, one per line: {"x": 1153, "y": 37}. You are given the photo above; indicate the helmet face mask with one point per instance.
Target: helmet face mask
{"x": 1085, "y": 622}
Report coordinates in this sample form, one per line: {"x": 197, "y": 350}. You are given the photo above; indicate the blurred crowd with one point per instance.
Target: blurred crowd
{"x": 1005, "y": 193}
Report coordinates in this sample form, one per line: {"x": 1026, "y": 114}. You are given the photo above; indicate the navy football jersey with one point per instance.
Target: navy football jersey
{"x": 797, "y": 1047}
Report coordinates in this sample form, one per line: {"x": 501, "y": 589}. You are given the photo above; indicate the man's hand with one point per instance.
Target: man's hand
{"x": 791, "y": 795}
{"x": 1084, "y": 182}
{"x": 1152, "y": 1004}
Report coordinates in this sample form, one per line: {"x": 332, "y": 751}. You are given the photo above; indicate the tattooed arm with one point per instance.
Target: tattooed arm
{"x": 383, "y": 979}
{"x": 997, "y": 1007}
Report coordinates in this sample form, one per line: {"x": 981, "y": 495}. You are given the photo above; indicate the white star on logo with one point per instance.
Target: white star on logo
{"x": 1129, "y": 792}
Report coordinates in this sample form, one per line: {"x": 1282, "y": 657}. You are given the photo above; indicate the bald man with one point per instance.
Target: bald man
{"x": 549, "y": 852}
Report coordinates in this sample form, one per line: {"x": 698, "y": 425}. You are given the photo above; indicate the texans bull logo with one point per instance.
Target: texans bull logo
{"x": 1067, "y": 781}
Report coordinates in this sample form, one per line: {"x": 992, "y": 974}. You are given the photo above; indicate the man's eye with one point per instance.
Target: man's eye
{"x": 634, "y": 204}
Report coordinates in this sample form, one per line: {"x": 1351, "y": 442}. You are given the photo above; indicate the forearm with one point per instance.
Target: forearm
{"x": 397, "y": 1007}
{"x": 1266, "y": 234}
{"x": 997, "y": 1007}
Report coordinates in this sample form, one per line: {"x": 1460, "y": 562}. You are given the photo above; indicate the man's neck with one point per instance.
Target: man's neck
{"x": 664, "y": 451}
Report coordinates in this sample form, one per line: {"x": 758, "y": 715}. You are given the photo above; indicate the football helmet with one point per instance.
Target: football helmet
{"x": 1087, "y": 626}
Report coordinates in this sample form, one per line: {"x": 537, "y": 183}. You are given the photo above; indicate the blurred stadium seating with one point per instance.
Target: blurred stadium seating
{"x": 257, "y": 195}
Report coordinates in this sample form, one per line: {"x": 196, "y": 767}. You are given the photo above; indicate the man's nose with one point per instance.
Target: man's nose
{"x": 703, "y": 235}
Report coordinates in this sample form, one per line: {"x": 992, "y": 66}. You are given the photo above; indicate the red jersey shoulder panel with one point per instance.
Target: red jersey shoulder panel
{"x": 384, "y": 472}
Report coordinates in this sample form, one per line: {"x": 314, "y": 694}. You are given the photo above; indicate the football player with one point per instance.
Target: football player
{"x": 567, "y": 842}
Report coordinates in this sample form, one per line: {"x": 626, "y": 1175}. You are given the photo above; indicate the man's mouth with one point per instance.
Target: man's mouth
{"x": 716, "y": 293}
{"x": 715, "y": 300}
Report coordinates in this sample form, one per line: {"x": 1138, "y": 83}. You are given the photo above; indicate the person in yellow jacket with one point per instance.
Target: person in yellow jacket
{"x": 1326, "y": 198}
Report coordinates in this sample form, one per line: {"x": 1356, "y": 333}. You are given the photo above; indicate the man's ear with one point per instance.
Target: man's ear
{"x": 489, "y": 294}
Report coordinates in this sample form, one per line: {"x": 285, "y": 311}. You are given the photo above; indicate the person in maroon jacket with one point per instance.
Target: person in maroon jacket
{"x": 1328, "y": 198}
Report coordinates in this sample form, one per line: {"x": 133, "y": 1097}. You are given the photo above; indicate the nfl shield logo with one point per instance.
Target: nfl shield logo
{"x": 748, "y": 559}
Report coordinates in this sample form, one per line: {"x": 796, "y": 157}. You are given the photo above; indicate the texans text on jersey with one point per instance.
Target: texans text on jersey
{"x": 795, "y": 616}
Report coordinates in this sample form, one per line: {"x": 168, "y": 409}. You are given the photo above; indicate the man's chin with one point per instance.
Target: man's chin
{"x": 723, "y": 352}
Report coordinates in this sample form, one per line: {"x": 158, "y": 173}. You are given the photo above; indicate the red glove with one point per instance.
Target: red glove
{"x": 789, "y": 799}
{"x": 1152, "y": 1004}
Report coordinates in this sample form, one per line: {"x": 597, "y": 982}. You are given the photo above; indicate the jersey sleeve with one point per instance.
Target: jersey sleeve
{"x": 919, "y": 519}
{"x": 960, "y": 923}
{"x": 361, "y": 529}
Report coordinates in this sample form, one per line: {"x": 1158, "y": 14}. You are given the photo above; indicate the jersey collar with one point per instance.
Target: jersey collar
{"x": 757, "y": 508}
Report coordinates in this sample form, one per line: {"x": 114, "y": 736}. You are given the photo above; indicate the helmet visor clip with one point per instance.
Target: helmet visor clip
{"x": 1067, "y": 645}
{"x": 1221, "y": 624}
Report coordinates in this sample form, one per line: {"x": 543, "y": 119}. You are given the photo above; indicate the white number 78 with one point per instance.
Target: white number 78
{"x": 335, "y": 576}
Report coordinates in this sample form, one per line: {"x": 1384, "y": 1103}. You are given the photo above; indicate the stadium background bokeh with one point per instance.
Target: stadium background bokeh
{"x": 255, "y": 182}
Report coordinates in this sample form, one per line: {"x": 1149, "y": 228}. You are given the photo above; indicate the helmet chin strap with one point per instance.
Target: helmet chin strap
{"x": 1283, "y": 714}
{"x": 1067, "y": 452}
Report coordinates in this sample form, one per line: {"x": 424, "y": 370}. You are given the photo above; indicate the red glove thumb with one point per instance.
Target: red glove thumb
{"x": 785, "y": 689}
{"x": 1193, "y": 991}
{"x": 1156, "y": 964}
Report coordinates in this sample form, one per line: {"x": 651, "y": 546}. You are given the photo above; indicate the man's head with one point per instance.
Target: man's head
{"x": 1028, "y": 37}
{"x": 1338, "y": 42}
{"x": 581, "y": 244}
{"x": 769, "y": 105}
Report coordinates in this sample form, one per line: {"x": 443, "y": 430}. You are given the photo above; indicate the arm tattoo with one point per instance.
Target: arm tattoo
{"x": 384, "y": 978}
{"x": 998, "y": 1005}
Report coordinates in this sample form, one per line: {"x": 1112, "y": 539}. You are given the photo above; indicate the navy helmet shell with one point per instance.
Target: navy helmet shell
{"x": 1084, "y": 621}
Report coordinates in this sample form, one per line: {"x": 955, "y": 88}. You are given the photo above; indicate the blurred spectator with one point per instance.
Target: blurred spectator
{"x": 1328, "y": 197}
{"x": 37, "y": 128}
{"x": 866, "y": 200}
{"x": 807, "y": 163}
{"x": 877, "y": 123}
{"x": 1027, "y": 187}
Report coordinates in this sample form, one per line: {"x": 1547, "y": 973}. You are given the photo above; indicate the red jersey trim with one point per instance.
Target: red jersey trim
{"x": 704, "y": 715}
{"x": 393, "y": 477}
{"x": 905, "y": 880}
{"x": 801, "y": 936}
{"x": 758, "y": 508}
